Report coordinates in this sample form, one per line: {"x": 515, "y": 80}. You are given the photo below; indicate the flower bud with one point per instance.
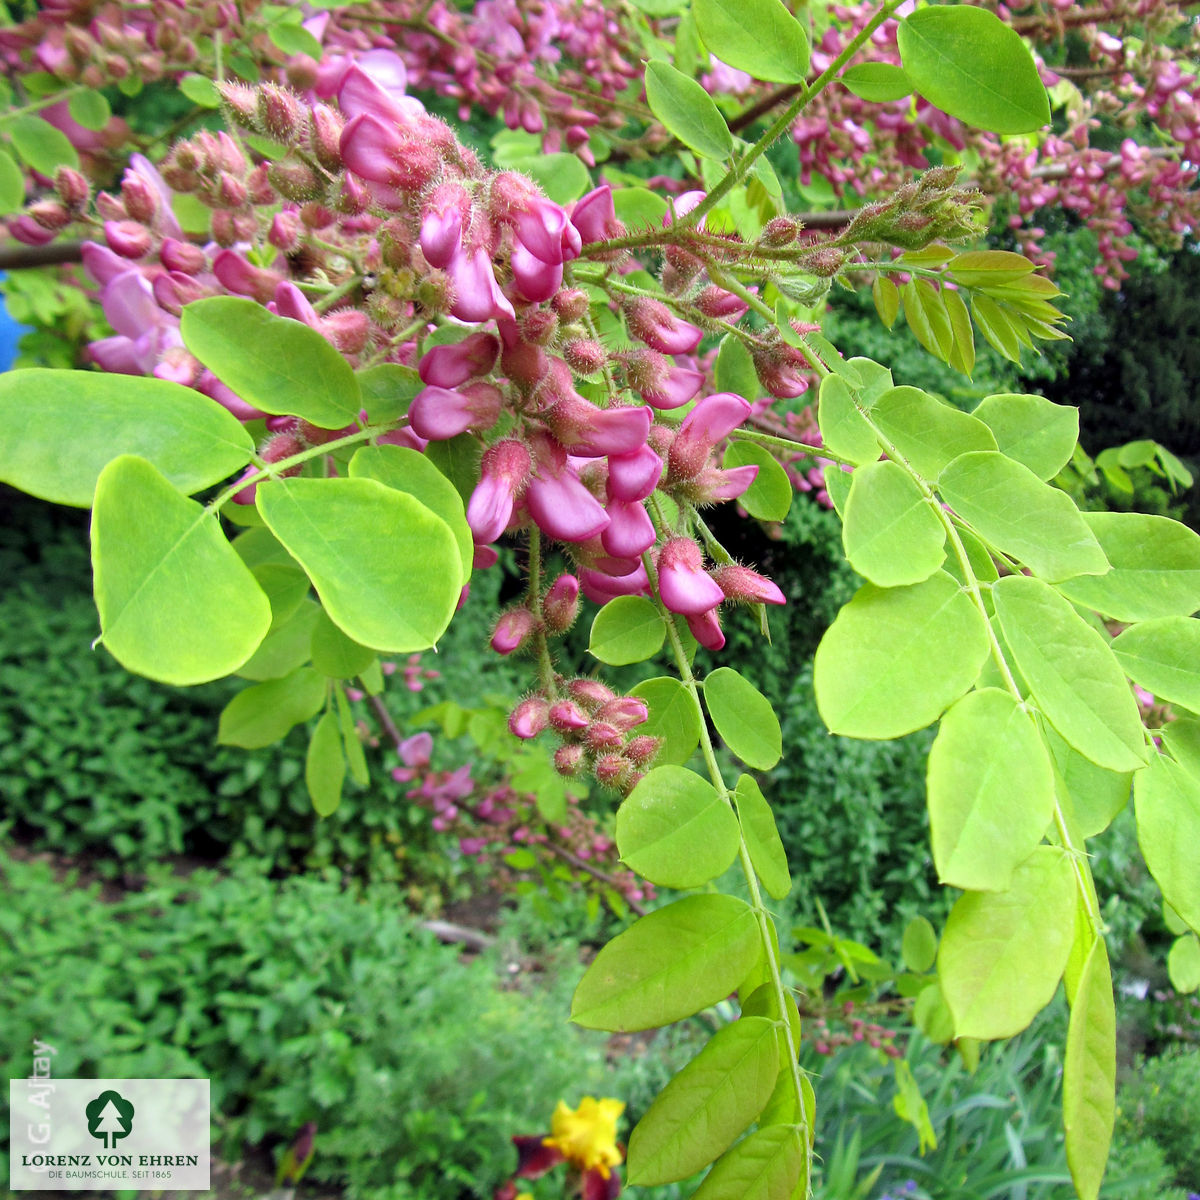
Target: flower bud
{"x": 743, "y": 584}
{"x": 683, "y": 584}
{"x": 325, "y": 135}
{"x": 568, "y": 759}
{"x": 285, "y": 231}
{"x": 513, "y": 630}
{"x": 570, "y": 304}
{"x": 566, "y": 716}
{"x": 602, "y": 735}
{"x": 529, "y": 717}
{"x": 281, "y": 114}
{"x": 242, "y": 104}
{"x": 591, "y": 693}
{"x": 50, "y": 214}
{"x": 561, "y": 605}
{"x": 612, "y": 770}
{"x": 780, "y": 231}
{"x": 181, "y": 256}
{"x": 624, "y": 712}
{"x": 127, "y": 238}
{"x": 72, "y": 188}
{"x": 641, "y": 751}
{"x": 585, "y": 356}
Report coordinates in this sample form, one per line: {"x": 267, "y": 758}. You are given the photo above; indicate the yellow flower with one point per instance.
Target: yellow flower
{"x": 587, "y": 1136}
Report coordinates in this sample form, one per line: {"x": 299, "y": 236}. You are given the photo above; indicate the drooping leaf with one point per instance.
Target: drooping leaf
{"x": 356, "y": 760}
{"x": 759, "y": 36}
{"x": 1003, "y": 953}
{"x": 890, "y": 531}
{"x": 1155, "y": 568}
{"x": 687, "y": 111}
{"x": 273, "y": 363}
{"x": 336, "y": 655}
{"x": 761, "y": 835}
{"x": 12, "y": 185}
{"x": 674, "y": 716}
{"x": 697, "y": 1116}
{"x": 200, "y": 90}
{"x": 991, "y": 791}
{"x": 264, "y": 713}
{"x": 176, "y": 601}
{"x": 325, "y": 766}
{"x": 90, "y": 108}
{"x": 668, "y": 965}
{"x": 409, "y": 471}
{"x": 675, "y": 830}
{"x": 770, "y": 495}
{"x": 1097, "y": 795}
{"x": 968, "y": 63}
{"x": 1031, "y": 429}
{"x": 388, "y": 390}
{"x": 385, "y": 567}
{"x": 1166, "y": 800}
{"x": 770, "y": 1164}
{"x": 744, "y": 718}
{"x": 926, "y": 432}
{"x": 896, "y": 658}
{"x": 1072, "y": 674}
{"x": 563, "y": 177}
{"x": 61, "y": 428}
{"x": 735, "y": 371}
{"x": 628, "y": 629}
{"x": 1183, "y": 963}
{"x": 1090, "y": 1074}
{"x": 1010, "y": 507}
{"x": 886, "y": 298}
{"x": 925, "y": 312}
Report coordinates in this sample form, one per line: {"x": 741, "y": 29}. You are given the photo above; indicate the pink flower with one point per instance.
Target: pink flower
{"x": 535, "y": 279}
{"x": 600, "y": 588}
{"x": 650, "y": 321}
{"x": 442, "y": 413}
{"x": 683, "y": 584}
{"x": 445, "y": 215}
{"x": 561, "y": 505}
{"x": 416, "y": 750}
{"x": 389, "y": 154}
{"x": 590, "y": 432}
{"x": 594, "y": 215}
{"x": 717, "y": 483}
{"x": 678, "y": 387}
{"x": 544, "y": 229}
{"x": 706, "y": 629}
{"x": 633, "y": 476}
{"x": 448, "y": 366}
{"x": 477, "y": 297}
{"x": 713, "y": 418}
{"x": 513, "y": 630}
{"x": 505, "y": 470}
{"x": 630, "y": 530}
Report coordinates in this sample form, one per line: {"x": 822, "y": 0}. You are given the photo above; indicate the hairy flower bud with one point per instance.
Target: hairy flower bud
{"x": 242, "y": 104}
{"x": 561, "y": 604}
{"x": 513, "y": 629}
{"x": 281, "y": 114}
{"x": 127, "y": 238}
{"x": 591, "y": 693}
{"x": 568, "y": 759}
{"x": 566, "y": 717}
{"x": 529, "y": 717}
{"x": 72, "y": 189}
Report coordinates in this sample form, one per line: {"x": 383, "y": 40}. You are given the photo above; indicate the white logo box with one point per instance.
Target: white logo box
{"x": 164, "y": 1144}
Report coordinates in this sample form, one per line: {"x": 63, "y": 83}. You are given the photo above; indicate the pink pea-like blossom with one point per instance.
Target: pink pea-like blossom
{"x": 451, "y": 365}
{"x": 683, "y": 583}
{"x": 504, "y": 471}
{"x": 633, "y": 476}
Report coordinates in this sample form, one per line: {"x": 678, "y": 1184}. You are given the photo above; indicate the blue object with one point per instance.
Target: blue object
{"x": 10, "y": 334}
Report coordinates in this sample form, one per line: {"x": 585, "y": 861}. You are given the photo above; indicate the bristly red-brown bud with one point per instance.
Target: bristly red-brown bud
{"x": 642, "y": 750}
{"x": 567, "y": 717}
{"x": 591, "y": 693}
{"x": 72, "y": 188}
{"x": 585, "y": 356}
{"x": 294, "y": 181}
{"x": 780, "y": 231}
{"x": 568, "y": 759}
{"x": 538, "y": 326}
{"x": 602, "y": 735}
{"x": 49, "y": 214}
{"x": 525, "y": 365}
{"x": 561, "y": 605}
{"x": 242, "y": 104}
{"x": 571, "y": 304}
{"x": 325, "y": 132}
{"x": 513, "y": 629}
{"x": 612, "y": 770}
{"x": 529, "y": 717}
{"x": 281, "y": 114}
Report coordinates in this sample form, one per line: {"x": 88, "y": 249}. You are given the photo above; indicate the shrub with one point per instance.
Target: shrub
{"x": 303, "y": 1001}
{"x": 1158, "y": 1101}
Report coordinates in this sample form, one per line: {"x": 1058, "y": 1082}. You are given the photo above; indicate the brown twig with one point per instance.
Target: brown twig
{"x": 18, "y": 257}
{"x": 583, "y": 865}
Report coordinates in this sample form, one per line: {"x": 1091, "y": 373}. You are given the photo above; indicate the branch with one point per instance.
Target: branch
{"x": 18, "y": 257}
{"x": 583, "y": 865}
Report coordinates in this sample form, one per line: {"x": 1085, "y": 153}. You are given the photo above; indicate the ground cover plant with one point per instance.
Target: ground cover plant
{"x": 360, "y": 351}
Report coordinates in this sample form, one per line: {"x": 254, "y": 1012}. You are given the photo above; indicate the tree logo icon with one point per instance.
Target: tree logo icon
{"x": 109, "y": 1117}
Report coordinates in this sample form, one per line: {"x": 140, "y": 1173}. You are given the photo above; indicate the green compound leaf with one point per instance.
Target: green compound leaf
{"x": 336, "y": 655}
{"x": 770, "y": 495}
{"x": 1155, "y": 568}
{"x": 675, "y": 717}
{"x": 61, "y": 428}
{"x": 919, "y": 945}
{"x": 1166, "y": 800}
{"x": 768, "y": 1165}
{"x": 1090, "y": 1074}
{"x": 927, "y": 316}
{"x": 278, "y": 365}
{"x": 325, "y": 766}
{"x": 877, "y": 82}
{"x": 1181, "y": 738}
{"x": 1010, "y": 507}
{"x": 757, "y": 36}
{"x": 176, "y": 602}
{"x": 409, "y": 471}
{"x": 12, "y": 185}
{"x": 356, "y": 759}
{"x": 1183, "y": 963}
{"x": 200, "y": 90}
{"x": 1003, "y": 953}
{"x": 563, "y": 177}
{"x": 890, "y": 532}
{"x": 628, "y": 629}
{"x": 1163, "y": 656}
{"x": 294, "y": 39}
{"x": 991, "y": 791}
{"x": 886, "y": 297}
{"x": 266, "y": 712}
{"x": 843, "y": 427}
{"x": 41, "y": 145}
{"x": 968, "y": 63}
{"x": 1034, "y": 431}
{"x": 896, "y": 658}
{"x": 668, "y": 965}
{"x": 674, "y": 830}
{"x": 1072, "y": 674}
{"x": 744, "y": 718}
{"x": 385, "y": 567}
{"x": 1097, "y": 795}
{"x": 926, "y": 432}
{"x": 687, "y": 111}
{"x": 702, "y": 1110}
{"x": 763, "y": 843}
